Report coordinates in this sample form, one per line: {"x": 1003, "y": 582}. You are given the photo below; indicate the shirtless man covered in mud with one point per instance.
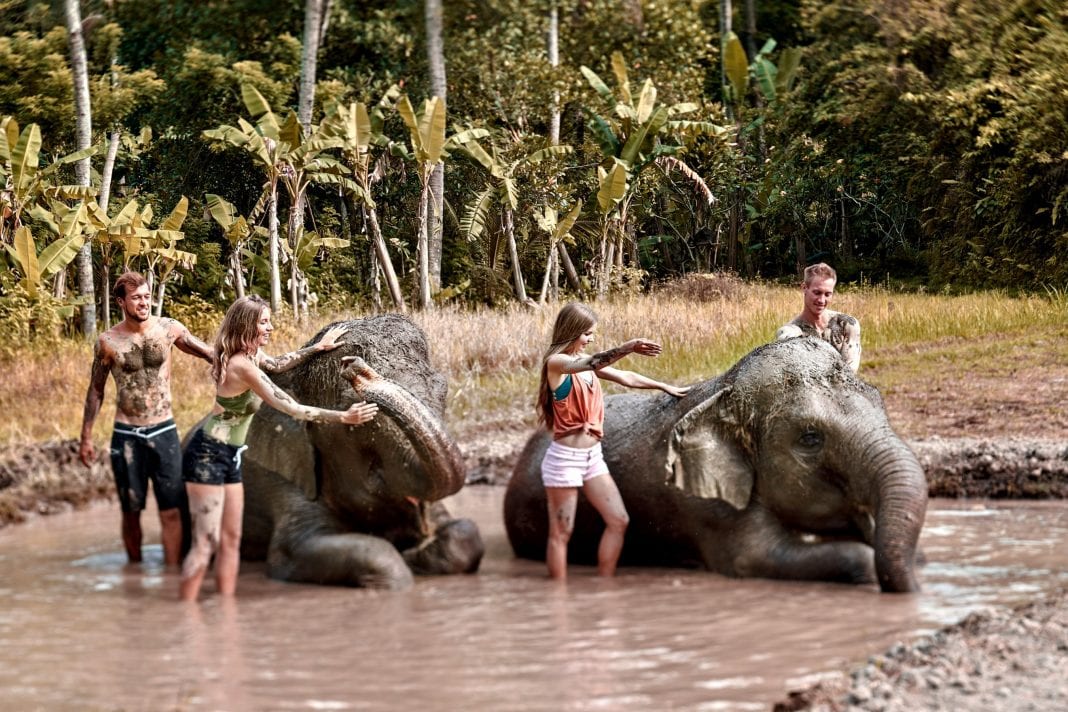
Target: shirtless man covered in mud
{"x": 144, "y": 444}
{"x": 840, "y": 330}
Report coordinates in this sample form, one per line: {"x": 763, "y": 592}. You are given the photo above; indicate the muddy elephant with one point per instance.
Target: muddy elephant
{"x": 359, "y": 505}
{"x": 783, "y": 467}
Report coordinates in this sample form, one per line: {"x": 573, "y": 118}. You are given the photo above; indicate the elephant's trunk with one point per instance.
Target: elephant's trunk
{"x": 900, "y": 503}
{"x": 436, "y": 450}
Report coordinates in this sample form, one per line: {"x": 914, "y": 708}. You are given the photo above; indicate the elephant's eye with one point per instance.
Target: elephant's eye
{"x": 810, "y": 439}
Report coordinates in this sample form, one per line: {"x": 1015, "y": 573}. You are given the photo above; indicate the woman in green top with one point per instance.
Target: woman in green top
{"x": 211, "y": 466}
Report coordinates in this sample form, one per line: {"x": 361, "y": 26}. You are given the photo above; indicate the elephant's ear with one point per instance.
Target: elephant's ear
{"x": 703, "y": 460}
{"x": 281, "y": 444}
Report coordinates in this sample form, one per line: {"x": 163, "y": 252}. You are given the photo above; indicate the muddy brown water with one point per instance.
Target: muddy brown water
{"x": 81, "y": 630}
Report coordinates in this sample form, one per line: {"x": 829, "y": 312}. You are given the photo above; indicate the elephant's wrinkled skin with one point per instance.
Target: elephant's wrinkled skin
{"x": 358, "y": 505}
{"x": 783, "y": 467}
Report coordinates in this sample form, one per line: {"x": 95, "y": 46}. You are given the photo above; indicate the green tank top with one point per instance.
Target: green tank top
{"x": 231, "y": 425}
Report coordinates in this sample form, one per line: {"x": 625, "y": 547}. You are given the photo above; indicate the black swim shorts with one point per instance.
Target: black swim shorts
{"x": 209, "y": 461}
{"x": 140, "y": 454}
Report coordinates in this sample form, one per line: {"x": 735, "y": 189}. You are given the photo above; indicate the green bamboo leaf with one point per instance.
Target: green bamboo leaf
{"x": 736, "y": 66}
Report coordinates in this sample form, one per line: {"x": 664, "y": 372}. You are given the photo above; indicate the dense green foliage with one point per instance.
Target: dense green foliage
{"x": 922, "y": 139}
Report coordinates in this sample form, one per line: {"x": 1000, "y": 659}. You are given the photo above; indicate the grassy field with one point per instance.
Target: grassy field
{"x": 491, "y": 357}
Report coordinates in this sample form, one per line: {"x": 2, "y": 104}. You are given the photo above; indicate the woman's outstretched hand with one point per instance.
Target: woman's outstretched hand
{"x": 645, "y": 347}
{"x": 677, "y": 391}
{"x": 332, "y": 338}
{"x": 359, "y": 413}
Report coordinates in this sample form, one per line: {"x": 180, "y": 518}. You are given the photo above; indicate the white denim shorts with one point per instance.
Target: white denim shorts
{"x": 565, "y": 466}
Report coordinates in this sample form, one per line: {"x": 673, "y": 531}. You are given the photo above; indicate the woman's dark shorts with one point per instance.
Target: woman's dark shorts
{"x": 208, "y": 461}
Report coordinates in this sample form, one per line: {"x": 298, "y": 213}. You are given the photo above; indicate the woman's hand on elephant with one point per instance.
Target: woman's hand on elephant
{"x": 359, "y": 413}
{"x": 677, "y": 391}
{"x": 331, "y": 339}
{"x": 645, "y": 347}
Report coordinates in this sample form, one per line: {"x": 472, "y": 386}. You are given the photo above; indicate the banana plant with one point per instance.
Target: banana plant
{"x": 632, "y": 137}
{"x": 160, "y": 251}
{"x": 23, "y": 183}
{"x": 362, "y": 132}
{"x": 501, "y": 192}
{"x": 68, "y": 224}
{"x": 237, "y": 230}
{"x": 429, "y": 148}
{"x": 773, "y": 80}
{"x": 559, "y": 231}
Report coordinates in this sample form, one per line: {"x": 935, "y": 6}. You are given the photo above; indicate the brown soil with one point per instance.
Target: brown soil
{"x": 988, "y": 421}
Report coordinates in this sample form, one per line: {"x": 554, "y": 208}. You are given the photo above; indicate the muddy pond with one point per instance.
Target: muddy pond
{"x": 79, "y": 629}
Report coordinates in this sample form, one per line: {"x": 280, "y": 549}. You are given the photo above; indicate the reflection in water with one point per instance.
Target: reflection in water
{"x": 81, "y": 628}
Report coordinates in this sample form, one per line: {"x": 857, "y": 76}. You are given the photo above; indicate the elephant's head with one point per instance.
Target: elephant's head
{"x": 792, "y": 430}
{"x": 381, "y": 475}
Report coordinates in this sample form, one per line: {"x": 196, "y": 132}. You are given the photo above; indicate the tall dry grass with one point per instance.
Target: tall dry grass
{"x": 491, "y": 356}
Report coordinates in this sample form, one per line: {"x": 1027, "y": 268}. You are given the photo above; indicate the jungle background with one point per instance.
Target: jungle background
{"x": 587, "y": 147}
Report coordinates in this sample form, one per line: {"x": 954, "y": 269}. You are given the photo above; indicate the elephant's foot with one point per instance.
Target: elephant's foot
{"x": 455, "y": 548}
{"x": 340, "y": 559}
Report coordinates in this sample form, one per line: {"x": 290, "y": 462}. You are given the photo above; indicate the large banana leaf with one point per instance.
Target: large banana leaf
{"x": 291, "y": 132}
{"x": 736, "y": 65}
{"x": 605, "y": 136}
{"x": 9, "y": 136}
{"x": 646, "y": 101}
{"x": 619, "y": 68}
{"x": 646, "y": 130}
{"x": 404, "y": 108}
{"x": 24, "y": 159}
{"x": 473, "y": 223}
{"x": 765, "y": 73}
{"x": 433, "y": 129}
{"x": 564, "y": 226}
{"x": 260, "y": 110}
{"x": 26, "y": 254}
{"x": 789, "y": 62}
{"x": 598, "y": 86}
{"x": 221, "y": 210}
{"x": 548, "y": 152}
{"x": 613, "y": 187}
{"x": 177, "y": 217}
{"x": 363, "y": 130}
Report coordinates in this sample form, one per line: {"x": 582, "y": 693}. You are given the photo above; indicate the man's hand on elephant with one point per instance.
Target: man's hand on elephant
{"x": 359, "y": 413}
{"x": 330, "y": 340}
{"x": 645, "y": 347}
{"x": 86, "y": 453}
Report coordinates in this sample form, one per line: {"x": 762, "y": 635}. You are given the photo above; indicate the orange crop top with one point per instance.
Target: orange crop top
{"x": 578, "y": 407}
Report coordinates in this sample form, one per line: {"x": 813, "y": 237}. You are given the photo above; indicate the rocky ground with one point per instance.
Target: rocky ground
{"x": 995, "y": 427}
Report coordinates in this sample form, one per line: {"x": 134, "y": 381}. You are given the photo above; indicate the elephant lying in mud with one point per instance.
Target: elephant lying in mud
{"x": 783, "y": 467}
{"x": 333, "y": 504}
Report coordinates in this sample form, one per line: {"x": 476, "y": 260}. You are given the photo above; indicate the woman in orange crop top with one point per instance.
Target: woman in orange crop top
{"x": 572, "y": 406}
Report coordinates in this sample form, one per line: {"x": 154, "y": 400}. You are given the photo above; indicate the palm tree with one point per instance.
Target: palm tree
{"x": 435, "y": 54}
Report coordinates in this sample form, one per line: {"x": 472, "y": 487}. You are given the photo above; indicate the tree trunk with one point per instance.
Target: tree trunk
{"x": 513, "y": 255}
{"x": 392, "y": 283}
{"x": 103, "y": 200}
{"x": 313, "y": 21}
{"x": 84, "y": 137}
{"x": 726, "y": 12}
{"x": 569, "y": 268}
{"x": 436, "y": 60}
{"x": 554, "y": 61}
{"x": 272, "y": 231}
{"x": 423, "y": 256}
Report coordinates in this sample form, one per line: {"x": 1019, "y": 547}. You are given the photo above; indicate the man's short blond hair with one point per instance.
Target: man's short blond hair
{"x": 820, "y": 270}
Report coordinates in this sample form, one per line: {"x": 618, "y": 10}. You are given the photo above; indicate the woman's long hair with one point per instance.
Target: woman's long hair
{"x": 573, "y": 320}
{"x": 237, "y": 333}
